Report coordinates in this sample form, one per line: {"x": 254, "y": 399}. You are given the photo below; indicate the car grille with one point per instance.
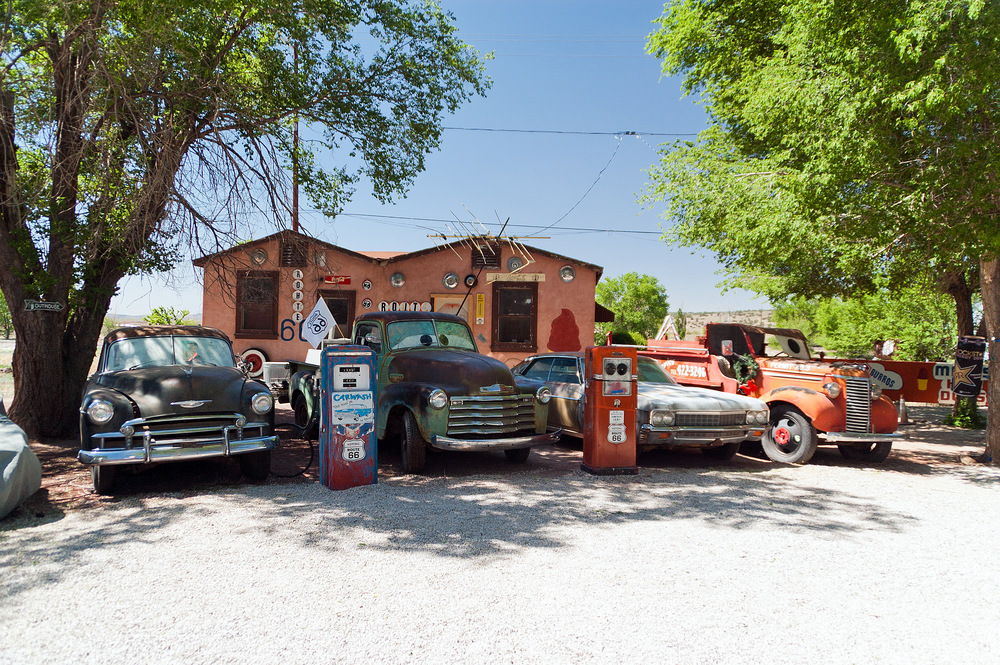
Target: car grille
{"x": 703, "y": 419}
{"x": 184, "y": 430}
{"x": 859, "y": 404}
{"x": 485, "y": 416}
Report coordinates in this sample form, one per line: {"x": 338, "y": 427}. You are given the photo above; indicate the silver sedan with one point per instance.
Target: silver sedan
{"x": 669, "y": 415}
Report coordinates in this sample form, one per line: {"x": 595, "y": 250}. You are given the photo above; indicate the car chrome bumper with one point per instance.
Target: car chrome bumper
{"x": 689, "y": 436}
{"x": 861, "y": 437}
{"x": 174, "y": 451}
{"x": 507, "y": 443}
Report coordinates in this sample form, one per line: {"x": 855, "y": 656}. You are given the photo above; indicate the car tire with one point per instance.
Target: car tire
{"x": 300, "y": 409}
{"x": 256, "y": 466}
{"x": 517, "y": 455}
{"x": 792, "y": 439}
{"x": 866, "y": 452}
{"x": 255, "y": 358}
{"x": 103, "y": 478}
{"x": 412, "y": 446}
{"x": 723, "y": 453}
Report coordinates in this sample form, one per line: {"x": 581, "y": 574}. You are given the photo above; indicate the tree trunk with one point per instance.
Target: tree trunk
{"x": 990, "y": 280}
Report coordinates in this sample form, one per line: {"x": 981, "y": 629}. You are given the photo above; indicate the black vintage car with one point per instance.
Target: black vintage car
{"x": 172, "y": 393}
{"x": 436, "y": 390}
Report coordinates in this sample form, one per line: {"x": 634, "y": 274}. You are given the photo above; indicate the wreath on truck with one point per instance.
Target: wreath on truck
{"x": 745, "y": 370}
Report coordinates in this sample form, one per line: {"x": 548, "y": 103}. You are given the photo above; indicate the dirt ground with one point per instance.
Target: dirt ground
{"x": 66, "y": 484}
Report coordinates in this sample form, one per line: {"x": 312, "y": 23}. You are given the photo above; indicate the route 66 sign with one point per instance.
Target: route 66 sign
{"x": 353, "y": 451}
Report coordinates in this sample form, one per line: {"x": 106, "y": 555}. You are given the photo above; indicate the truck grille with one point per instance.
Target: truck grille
{"x": 492, "y": 415}
{"x": 711, "y": 419}
{"x": 859, "y": 404}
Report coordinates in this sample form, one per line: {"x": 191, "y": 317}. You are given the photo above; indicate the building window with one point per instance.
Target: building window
{"x": 257, "y": 304}
{"x": 515, "y": 316}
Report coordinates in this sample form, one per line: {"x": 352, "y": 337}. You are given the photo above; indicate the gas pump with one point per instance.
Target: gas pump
{"x": 609, "y": 431}
{"x": 347, "y": 444}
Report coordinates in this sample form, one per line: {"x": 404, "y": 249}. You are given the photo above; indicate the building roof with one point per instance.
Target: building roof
{"x": 381, "y": 257}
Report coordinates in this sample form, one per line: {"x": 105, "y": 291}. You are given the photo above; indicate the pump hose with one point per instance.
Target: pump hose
{"x": 303, "y": 433}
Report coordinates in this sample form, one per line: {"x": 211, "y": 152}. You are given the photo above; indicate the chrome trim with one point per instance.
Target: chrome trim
{"x": 507, "y": 443}
{"x": 148, "y": 453}
{"x": 859, "y": 437}
{"x": 687, "y": 435}
{"x": 191, "y": 403}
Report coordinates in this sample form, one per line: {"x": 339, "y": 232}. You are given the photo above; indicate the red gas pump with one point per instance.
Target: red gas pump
{"x": 609, "y": 431}
{"x": 348, "y": 454}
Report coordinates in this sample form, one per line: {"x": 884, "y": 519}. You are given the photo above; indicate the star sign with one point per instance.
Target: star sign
{"x": 962, "y": 375}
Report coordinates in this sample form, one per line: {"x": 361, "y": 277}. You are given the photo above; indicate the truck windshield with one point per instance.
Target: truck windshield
{"x": 650, "y": 371}
{"x": 162, "y": 351}
{"x": 416, "y": 334}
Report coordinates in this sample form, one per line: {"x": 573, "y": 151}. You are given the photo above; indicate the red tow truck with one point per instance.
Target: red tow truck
{"x": 810, "y": 401}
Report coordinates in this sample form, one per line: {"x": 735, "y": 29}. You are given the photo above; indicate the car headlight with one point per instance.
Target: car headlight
{"x": 438, "y": 398}
{"x": 543, "y": 395}
{"x": 661, "y": 418}
{"x": 832, "y": 389}
{"x": 762, "y": 417}
{"x": 751, "y": 417}
{"x": 100, "y": 411}
{"x": 261, "y": 403}
{"x": 876, "y": 391}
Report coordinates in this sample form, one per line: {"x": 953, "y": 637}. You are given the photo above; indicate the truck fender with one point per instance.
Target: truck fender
{"x": 412, "y": 397}
{"x": 824, "y": 413}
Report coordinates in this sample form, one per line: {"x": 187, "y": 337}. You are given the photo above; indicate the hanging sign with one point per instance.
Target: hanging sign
{"x": 42, "y": 306}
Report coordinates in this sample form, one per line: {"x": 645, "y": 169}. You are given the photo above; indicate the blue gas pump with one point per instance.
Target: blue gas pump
{"x": 348, "y": 455}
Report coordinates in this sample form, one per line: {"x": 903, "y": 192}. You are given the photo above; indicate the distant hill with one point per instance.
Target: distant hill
{"x": 754, "y": 317}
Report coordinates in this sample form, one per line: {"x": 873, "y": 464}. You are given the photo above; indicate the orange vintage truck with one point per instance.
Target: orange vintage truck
{"x": 810, "y": 401}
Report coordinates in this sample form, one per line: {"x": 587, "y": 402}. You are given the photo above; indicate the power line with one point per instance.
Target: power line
{"x": 566, "y": 131}
{"x": 523, "y": 226}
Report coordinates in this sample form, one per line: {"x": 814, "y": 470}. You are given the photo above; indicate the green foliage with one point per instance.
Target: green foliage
{"x": 849, "y": 143}
{"x": 965, "y": 415}
{"x": 639, "y": 303}
{"x": 168, "y": 316}
{"x": 681, "y": 322}
{"x": 922, "y": 323}
{"x": 6, "y": 322}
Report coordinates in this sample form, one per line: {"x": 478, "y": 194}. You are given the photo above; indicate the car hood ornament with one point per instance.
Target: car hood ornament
{"x": 191, "y": 403}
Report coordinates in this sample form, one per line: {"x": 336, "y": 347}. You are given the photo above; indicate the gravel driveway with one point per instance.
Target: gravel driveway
{"x": 483, "y": 562}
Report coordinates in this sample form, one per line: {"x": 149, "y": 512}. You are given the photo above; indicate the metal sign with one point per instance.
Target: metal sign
{"x": 42, "y": 306}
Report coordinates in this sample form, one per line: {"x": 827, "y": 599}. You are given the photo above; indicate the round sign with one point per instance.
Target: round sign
{"x": 296, "y": 296}
{"x": 425, "y": 306}
{"x": 383, "y": 306}
{"x": 298, "y": 316}
{"x": 297, "y": 306}
{"x": 366, "y": 285}
{"x": 367, "y": 303}
{"x": 297, "y": 285}
{"x": 296, "y": 274}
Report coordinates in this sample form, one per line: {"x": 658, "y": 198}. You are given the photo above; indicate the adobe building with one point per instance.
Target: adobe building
{"x": 518, "y": 300}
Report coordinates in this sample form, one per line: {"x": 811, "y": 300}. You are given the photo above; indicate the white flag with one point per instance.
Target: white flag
{"x": 316, "y": 325}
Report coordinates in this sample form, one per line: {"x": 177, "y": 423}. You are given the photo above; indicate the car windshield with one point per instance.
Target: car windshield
{"x": 416, "y": 334}
{"x": 162, "y": 351}
{"x": 651, "y": 371}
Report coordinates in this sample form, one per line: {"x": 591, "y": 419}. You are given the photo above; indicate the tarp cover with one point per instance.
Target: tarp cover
{"x": 22, "y": 472}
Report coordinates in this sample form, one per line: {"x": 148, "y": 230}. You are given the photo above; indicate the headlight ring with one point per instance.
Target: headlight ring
{"x": 661, "y": 418}
{"x": 100, "y": 411}
{"x": 876, "y": 391}
{"x": 261, "y": 403}
{"x": 832, "y": 389}
{"x": 543, "y": 395}
{"x": 438, "y": 398}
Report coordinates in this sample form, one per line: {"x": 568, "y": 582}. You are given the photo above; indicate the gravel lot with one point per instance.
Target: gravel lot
{"x": 484, "y": 562}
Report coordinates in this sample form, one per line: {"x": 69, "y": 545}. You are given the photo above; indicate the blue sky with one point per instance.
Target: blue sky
{"x": 567, "y": 75}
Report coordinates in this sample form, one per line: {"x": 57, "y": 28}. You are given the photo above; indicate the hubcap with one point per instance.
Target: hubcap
{"x": 782, "y": 436}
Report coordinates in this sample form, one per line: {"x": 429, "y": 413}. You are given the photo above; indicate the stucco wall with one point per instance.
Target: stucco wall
{"x": 565, "y": 309}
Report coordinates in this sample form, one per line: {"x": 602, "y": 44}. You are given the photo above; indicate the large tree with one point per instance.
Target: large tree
{"x": 850, "y": 146}
{"x": 639, "y": 303}
{"x": 132, "y": 130}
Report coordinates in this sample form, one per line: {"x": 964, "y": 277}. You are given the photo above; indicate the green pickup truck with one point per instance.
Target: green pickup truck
{"x": 434, "y": 389}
